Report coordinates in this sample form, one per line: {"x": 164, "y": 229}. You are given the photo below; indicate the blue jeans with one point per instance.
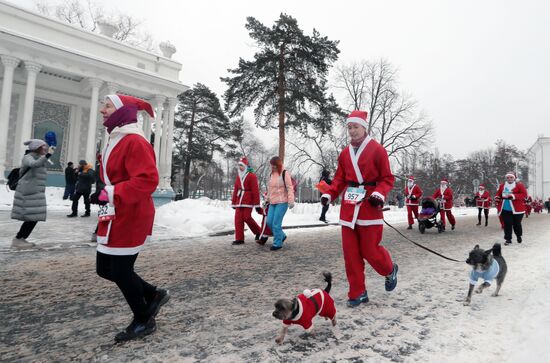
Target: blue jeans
{"x": 275, "y": 222}
{"x": 69, "y": 191}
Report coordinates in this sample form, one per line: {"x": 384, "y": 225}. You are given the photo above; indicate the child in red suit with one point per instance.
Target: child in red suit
{"x": 365, "y": 177}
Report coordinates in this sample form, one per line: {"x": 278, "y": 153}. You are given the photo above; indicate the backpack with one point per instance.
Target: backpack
{"x": 294, "y": 182}
{"x": 14, "y": 177}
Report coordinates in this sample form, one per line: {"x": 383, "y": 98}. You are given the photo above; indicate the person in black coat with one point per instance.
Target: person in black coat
{"x": 71, "y": 177}
{"x": 325, "y": 176}
{"x": 86, "y": 178}
{"x": 94, "y": 198}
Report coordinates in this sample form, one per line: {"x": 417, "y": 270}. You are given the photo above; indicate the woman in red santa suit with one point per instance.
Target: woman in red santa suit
{"x": 129, "y": 171}
{"x": 413, "y": 194}
{"x": 483, "y": 203}
{"x": 246, "y": 195}
{"x": 365, "y": 178}
{"x": 511, "y": 195}
{"x": 445, "y": 194}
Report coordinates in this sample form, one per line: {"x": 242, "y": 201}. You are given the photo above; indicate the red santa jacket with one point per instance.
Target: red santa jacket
{"x": 129, "y": 171}
{"x": 246, "y": 193}
{"x": 410, "y": 192}
{"x": 369, "y": 168}
{"x": 307, "y": 309}
{"x": 446, "y": 198}
{"x": 483, "y": 200}
{"x": 517, "y": 196}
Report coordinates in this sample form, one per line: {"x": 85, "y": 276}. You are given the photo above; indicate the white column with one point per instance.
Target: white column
{"x": 10, "y": 63}
{"x": 159, "y": 100}
{"x": 147, "y": 126}
{"x": 172, "y": 101}
{"x": 164, "y": 142}
{"x": 95, "y": 84}
{"x": 25, "y": 128}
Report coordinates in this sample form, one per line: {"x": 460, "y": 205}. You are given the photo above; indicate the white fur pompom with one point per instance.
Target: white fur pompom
{"x": 308, "y": 293}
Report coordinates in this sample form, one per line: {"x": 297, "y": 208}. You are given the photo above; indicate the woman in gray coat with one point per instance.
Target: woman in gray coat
{"x": 29, "y": 203}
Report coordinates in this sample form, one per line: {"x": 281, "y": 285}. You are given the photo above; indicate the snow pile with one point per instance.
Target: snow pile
{"x": 199, "y": 217}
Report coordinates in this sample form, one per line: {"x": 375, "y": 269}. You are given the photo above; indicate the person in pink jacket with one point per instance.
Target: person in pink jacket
{"x": 280, "y": 196}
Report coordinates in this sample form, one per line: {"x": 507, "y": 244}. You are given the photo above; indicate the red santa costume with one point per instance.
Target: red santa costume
{"x": 246, "y": 196}
{"x": 483, "y": 203}
{"x": 129, "y": 171}
{"x": 413, "y": 194}
{"x": 445, "y": 194}
{"x": 310, "y": 304}
{"x": 511, "y": 195}
{"x": 528, "y": 206}
{"x": 363, "y": 173}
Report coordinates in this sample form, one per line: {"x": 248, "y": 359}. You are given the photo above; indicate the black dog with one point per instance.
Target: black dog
{"x": 487, "y": 265}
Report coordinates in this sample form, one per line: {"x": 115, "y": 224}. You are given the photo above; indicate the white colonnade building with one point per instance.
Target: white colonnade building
{"x": 53, "y": 78}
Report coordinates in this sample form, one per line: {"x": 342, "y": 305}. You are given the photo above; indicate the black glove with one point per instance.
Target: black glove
{"x": 94, "y": 198}
{"x": 259, "y": 210}
{"x": 413, "y": 197}
{"x": 324, "y": 201}
{"x": 376, "y": 201}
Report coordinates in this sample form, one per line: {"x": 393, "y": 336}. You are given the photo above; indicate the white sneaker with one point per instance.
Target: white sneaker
{"x": 21, "y": 244}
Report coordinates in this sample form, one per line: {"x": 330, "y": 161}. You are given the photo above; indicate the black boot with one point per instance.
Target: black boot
{"x": 486, "y": 222}
{"x": 87, "y": 214}
{"x": 237, "y": 242}
{"x": 72, "y": 215}
{"x": 161, "y": 297}
{"x": 410, "y": 226}
{"x": 136, "y": 330}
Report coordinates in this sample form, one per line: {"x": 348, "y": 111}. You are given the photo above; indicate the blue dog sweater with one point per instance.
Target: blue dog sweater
{"x": 487, "y": 276}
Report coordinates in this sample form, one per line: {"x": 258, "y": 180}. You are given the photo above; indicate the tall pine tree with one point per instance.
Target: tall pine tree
{"x": 200, "y": 128}
{"x": 287, "y": 79}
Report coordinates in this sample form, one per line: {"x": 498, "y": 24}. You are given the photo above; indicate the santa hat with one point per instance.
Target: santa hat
{"x": 510, "y": 173}
{"x": 444, "y": 180}
{"x": 123, "y": 100}
{"x": 481, "y": 186}
{"x": 358, "y": 117}
{"x": 243, "y": 161}
{"x": 411, "y": 178}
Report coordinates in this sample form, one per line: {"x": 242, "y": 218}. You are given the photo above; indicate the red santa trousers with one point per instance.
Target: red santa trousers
{"x": 449, "y": 215}
{"x": 412, "y": 209}
{"x": 360, "y": 244}
{"x": 242, "y": 216}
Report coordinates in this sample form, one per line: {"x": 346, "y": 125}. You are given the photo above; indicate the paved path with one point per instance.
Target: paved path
{"x": 55, "y": 308}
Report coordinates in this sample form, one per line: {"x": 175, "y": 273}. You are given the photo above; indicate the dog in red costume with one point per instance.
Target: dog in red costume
{"x": 302, "y": 309}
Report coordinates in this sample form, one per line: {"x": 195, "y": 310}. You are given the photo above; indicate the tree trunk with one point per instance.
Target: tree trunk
{"x": 187, "y": 168}
{"x": 281, "y": 102}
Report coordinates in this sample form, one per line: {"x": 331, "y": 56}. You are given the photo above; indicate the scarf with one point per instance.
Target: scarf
{"x": 123, "y": 116}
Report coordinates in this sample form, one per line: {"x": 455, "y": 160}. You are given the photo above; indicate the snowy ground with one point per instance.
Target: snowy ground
{"x": 55, "y": 308}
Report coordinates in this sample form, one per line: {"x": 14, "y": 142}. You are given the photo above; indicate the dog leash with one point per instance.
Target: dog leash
{"x": 419, "y": 245}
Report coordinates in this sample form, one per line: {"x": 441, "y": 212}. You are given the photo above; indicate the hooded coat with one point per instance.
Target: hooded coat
{"x": 29, "y": 203}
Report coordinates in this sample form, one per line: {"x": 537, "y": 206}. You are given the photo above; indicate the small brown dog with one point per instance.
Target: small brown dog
{"x": 302, "y": 309}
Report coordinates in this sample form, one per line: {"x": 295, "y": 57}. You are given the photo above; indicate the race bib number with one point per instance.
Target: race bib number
{"x": 106, "y": 213}
{"x": 354, "y": 195}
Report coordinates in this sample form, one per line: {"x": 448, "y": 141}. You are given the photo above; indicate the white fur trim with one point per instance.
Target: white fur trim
{"x": 509, "y": 174}
{"x": 300, "y": 311}
{"x": 118, "y": 251}
{"x": 358, "y": 120}
{"x": 376, "y": 194}
{"x": 244, "y": 206}
{"x": 362, "y": 222}
{"x": 115, "y": 100}
{"x": 513, "y": 196}
{"x": 326, "y": 196}
{"x": 110, "y": 189}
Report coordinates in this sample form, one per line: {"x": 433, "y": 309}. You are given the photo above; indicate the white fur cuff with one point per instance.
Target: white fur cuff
{"x": 110, "y": 189}
{"x": 376, "y": 194}
{"x": 326, "y": 196}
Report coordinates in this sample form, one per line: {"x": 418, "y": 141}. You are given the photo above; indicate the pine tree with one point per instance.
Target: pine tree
{"x": 200, "y": 128}
{"x": 286, "y": 81}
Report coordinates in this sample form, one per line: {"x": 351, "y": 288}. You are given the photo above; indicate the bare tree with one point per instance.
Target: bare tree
{"x": 87, "y": 14}
{"x": 394, "y": 119}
